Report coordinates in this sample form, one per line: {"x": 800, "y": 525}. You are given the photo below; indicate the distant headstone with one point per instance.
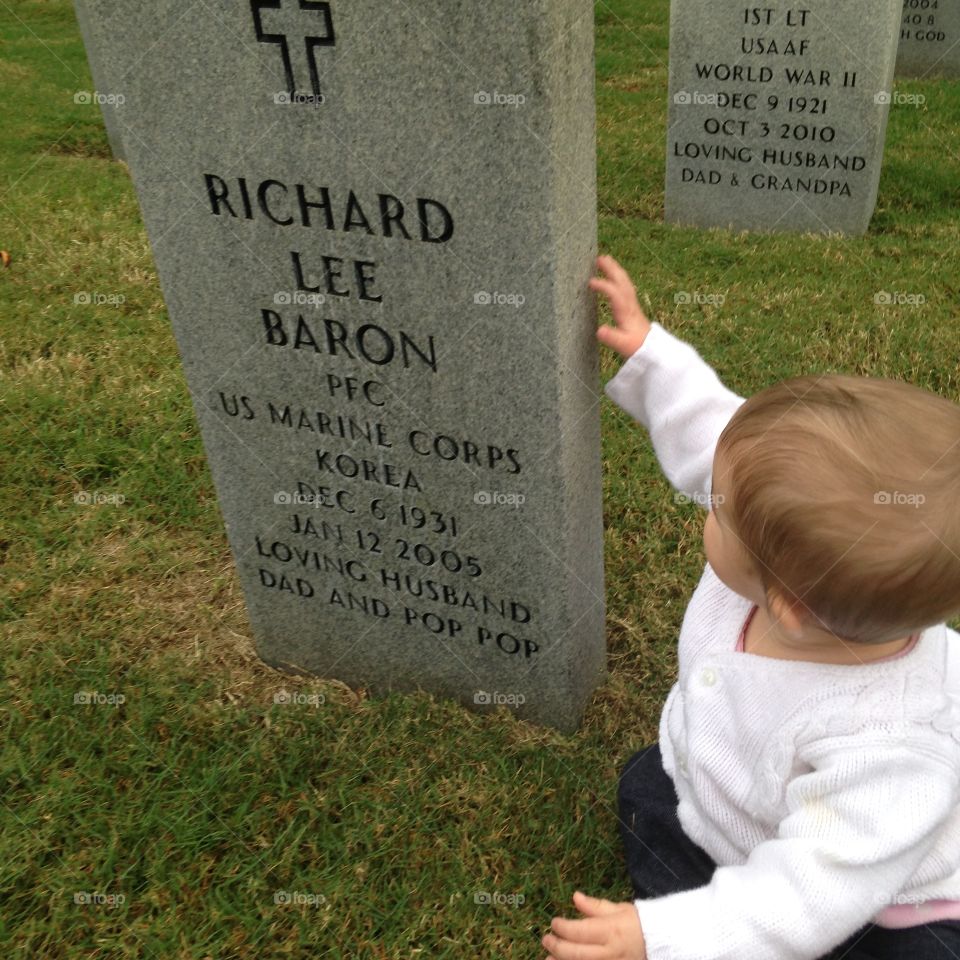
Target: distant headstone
{"x": 929, "y": 39}
{"x": 105, "y": 93}
{"x": 374, "y": 225}
{"x": 778, "y": 113}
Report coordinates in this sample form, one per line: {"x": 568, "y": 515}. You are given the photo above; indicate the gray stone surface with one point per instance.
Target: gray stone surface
{"x": 432, "y": 384}
{"x": 929, "y": 39}
{"x": 104, "y": 86}
{"x": 778, "y": 113}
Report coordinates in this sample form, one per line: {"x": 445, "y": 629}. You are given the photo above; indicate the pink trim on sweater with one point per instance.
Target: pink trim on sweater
{"x": 743, "y": 632}
{"x": 902, "y": 915}
{"x": 898, "y": 915}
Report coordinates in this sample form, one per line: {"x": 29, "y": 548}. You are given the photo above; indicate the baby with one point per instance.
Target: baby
{"x": 804, "y": 798}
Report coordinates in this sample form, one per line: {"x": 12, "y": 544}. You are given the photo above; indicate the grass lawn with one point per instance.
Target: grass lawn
{"x": 197, "y": 805}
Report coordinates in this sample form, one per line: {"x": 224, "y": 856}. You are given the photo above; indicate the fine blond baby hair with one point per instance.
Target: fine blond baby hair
{"x": 845, "y": 494}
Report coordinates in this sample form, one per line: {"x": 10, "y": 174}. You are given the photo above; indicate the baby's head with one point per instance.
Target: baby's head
{"x": 839, "y": 496}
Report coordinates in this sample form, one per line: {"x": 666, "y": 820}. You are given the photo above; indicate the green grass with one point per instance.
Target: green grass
{"x": 199, "y": 799}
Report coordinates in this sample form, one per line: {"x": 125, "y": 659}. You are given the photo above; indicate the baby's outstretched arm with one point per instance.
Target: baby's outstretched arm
{"x": 665, "y": 385}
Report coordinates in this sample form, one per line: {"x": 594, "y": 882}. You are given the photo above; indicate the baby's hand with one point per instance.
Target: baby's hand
{"x": 612, "y": 932}
{"x": 632, "y": 326}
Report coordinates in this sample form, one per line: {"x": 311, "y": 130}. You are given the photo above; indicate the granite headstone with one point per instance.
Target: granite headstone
{"x": 929, "y": 39}
{"x": 778, "y": 113}
{"x": 374, "y": 225}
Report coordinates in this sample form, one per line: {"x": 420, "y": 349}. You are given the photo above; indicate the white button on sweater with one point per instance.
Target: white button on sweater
{"x": 824, "y": 792}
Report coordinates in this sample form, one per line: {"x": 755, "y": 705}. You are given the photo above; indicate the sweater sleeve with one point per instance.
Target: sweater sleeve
{"x": 668, "y": 387}
{"x": 860, "y": 823}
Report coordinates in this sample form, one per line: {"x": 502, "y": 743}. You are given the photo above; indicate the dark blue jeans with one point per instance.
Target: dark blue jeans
{"x": 661, "y": 859}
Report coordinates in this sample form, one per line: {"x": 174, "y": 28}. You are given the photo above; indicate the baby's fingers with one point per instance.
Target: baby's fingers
{"x": 613, "y": 338}
{"x": 606, "y": 287}
{"x": 564, "y": 947}
{"x": 614, "y": 271}
{"x": 595, "y": 905}
{"x": 591, "y": 930}
{"x": 622, "y": 298}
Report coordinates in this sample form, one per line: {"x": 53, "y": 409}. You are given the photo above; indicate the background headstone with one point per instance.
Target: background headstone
{"x": 374, "y": 225}
{"x": 929, "y": 39}
{"x": 101, "y": 76}
{"x": 778, "y": 113}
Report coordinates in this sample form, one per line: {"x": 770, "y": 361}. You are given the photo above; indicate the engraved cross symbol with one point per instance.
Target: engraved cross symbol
{"x": 313, "y": 24}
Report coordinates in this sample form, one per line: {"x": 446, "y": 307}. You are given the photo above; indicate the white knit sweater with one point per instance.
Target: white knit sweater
{"x": 824, "y": 792}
